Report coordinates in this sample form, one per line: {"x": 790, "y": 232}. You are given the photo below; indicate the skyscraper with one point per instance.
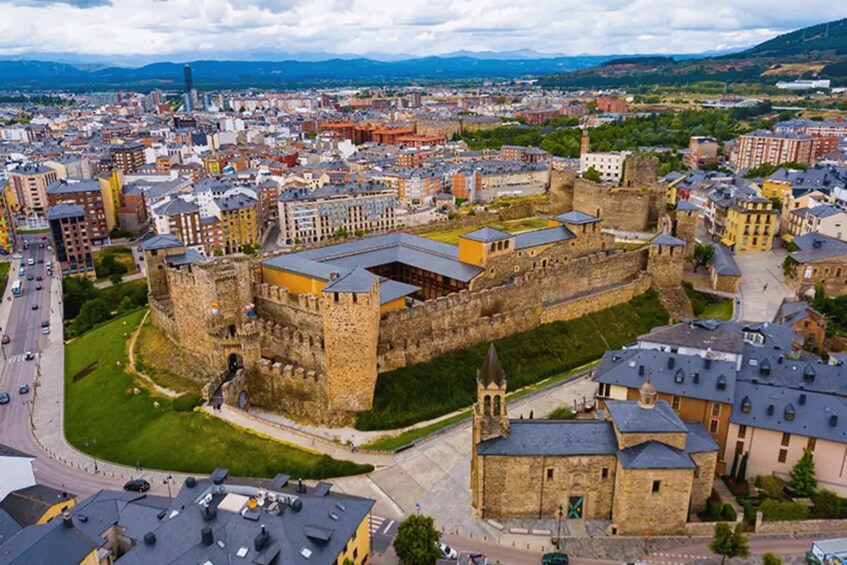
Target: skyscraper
{"x": 189, "y": 81}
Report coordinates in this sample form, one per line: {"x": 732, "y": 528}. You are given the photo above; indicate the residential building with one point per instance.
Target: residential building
{"x": 179, "y": 217}
{"x": 762, "y": 146}
{"x": 71, "y": 243}
{"x": 239, "y": 215}
{"x": 128, "y": 158}
{"x": 610, "y": 105}
{"x": 610, "y": 165}
{"x": 85, "y": 193}
{"x": 71, "y": 166}
{"x": 819, "y": 259}
{"x": 414, "y": 187}
{"x": 823, "y": 219}
{"x": 701, "y": 150}
{"x": 29, "y": 184}
{"x": 307, "y": 217}
{"x": 537, "y": 117}
{"x": 750, "y": 224}
{"x": 486, "y": 180}
{"x": 804, "y": 320}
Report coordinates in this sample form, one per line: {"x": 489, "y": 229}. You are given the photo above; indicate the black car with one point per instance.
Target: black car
{"x": 4, "y": 398}
{"x": 137, "y": 485}
{"x": 39, "y": 278}
{"x": 555, "y": 558}
{"x": 41, "y": 260}
{"x": 34, "y": 306}
{"x": 29, "y": 277}
{"x": 38, "y": 287}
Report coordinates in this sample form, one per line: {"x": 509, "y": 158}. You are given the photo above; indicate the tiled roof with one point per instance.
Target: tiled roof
{"x": 654, "y": 455}
{"x": 553, "y": 437}
{"x": 629, "y": 417}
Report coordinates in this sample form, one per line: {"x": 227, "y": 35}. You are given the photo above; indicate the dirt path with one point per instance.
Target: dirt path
{"x": 131, "y": 363}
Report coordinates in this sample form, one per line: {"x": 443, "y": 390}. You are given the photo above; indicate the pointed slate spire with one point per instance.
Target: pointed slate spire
{"x": 491, "y": 371}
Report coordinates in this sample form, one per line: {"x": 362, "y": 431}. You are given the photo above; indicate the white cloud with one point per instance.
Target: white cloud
{"x": 220, "y": 28}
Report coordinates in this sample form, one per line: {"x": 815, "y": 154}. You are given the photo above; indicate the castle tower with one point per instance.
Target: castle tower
{"x": 685, "y": 225}
{"x": 156, "y": 250}
{"x": 585, "y": 143}
{"x": 350, "y": 309}
{"x": 665, "y": 261}
{"x": 489, "y": 417}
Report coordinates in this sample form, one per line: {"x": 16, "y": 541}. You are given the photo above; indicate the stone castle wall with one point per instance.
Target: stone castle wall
{"x": 466, "y": 318}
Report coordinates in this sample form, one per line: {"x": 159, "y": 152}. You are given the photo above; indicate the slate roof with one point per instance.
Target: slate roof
{"x": 815, "y": 247}
{"x": 177, "y": 206}
{"x": 631, "y": 367}
{"x": 8, "y": 527}
{"x": 724, "y": 263}
{"x": 818, "y": 415}
{"x": 544, "y": 236}
{"x": 190, "y": 256}
{"x": 698, "y": 439}
{"x": 725, "y": 337}
{"x": 63, "y": 186}
{"x": 486, "y": 235}
{"x": 65, "y": 210}
{"x": 686, "y": 206}
{"x": 161, "y": 242}
{"x": 629, "y": 417}
{"x": 357, "y": 280}
{"x": 664, "y": 239}
{"x": 553, "y": 437}
{"x": 576, "y": 217}
{"x": 26, "y": 506}
{"x": 825, "y": 211}
{"x": 654, "y": 455}
{"x": 492, "y": 370}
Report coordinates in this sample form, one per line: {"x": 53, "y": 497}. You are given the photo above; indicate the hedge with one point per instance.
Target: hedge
{"x": 424, "y": 391}
{"x": 776, "y": 511}
{"x": 771, "y": 485}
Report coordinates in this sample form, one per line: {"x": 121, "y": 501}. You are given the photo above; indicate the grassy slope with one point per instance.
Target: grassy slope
{"x": 127, "y": 428}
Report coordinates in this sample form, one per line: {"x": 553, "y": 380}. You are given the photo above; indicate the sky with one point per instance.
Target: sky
{"x": 226, "y": 29}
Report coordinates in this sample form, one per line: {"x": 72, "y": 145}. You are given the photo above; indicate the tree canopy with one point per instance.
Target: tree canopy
{"x": 416, "y": 542}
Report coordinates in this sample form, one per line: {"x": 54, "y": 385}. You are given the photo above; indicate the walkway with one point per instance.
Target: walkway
{"x": 127, "y": 278}
{"x": 763, "y": 285}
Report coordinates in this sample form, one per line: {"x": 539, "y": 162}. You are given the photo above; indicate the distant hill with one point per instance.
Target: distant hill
{"x": 28, "y": 74}
{"x": 818, "y": 51}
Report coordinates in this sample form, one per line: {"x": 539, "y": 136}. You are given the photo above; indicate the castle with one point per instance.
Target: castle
{"x": 637, "y": 464}
{"x": 307, "y": 333}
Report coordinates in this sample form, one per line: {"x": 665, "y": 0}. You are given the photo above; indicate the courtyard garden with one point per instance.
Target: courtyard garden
{"x": 451, "y": 236}
{"x": 708, "y": 306}
{"x": 111, "y": 415}
{"x": 114, "y": 262}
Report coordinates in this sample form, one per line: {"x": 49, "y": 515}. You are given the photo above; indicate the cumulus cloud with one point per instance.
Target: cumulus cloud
{"x": 219, "y": 28}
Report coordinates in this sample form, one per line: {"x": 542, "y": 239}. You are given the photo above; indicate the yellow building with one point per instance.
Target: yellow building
{"x": 774, "y": 188}
{"x": 6, "y": 224}
{"x": 213, "y": 165}
{"x": 110, "y": 189}
{"x": 750, "y": 225}
{"x": 239, "y": 215}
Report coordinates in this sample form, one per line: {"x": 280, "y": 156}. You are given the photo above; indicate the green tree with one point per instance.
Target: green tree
{"x": 127, "y": 304}
{"x": 116, "y": 278}
{"x": 592, "y": 175}
{"x": 703, "y": 255}
{"x": 803, "y": 474}
{"x": 77, "y": 290}
{"x": 563, "y": 412}
{"x": 416, "y": 542}
{"x": 218, "y": 252}
{"x": 249, "y": 249}
{"x": 819, "y": 301}
{"x": 729, "y": 542}
{"x": 742, "y": 468}
{"x": 92, "y": 313}
{"x": 348, "y": 561}
{"x": 769, "y": 558}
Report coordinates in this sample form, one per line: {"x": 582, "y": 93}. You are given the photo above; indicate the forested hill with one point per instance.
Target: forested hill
{"x": 818, "y": 51}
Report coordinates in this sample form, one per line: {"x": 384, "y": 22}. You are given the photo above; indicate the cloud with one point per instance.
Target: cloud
{"x": 216, "y": 28}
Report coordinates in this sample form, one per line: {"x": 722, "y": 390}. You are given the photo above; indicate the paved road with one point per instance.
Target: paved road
{"x": 23, "y": 326}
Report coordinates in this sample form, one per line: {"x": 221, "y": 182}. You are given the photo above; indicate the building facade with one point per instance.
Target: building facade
{"x": 69, "y": 230}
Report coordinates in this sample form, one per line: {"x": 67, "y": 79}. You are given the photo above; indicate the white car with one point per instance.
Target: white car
{"x": 30, "y": 261}
{"x": 29, "y": 356}
{"x": 448, "y": 551}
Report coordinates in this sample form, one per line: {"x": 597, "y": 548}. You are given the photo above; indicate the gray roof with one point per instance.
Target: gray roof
{"x": 544, "y": 236}
{"x": 629, "y": 417}
{"x": 724, "y": 337}
{"x": 235, "y": 201}
{"x": 664, "y": 239}
{"x": 553, "y": 437}
{"x": 65, "y": 210}
{"x": 576, "y": 217}
{"x": 8, "y": 527}
{"x": 654, "y": 455}
{"x": 818, "y": 415}
{"x": 190, "y": 256}
{"x": 698, "y": 439}
{"x": 825, "y": 211}
{"x": 723, "y": 262}
{"x": 487, "y": 235}
{"x": 176, "y": 206}
{"x": 815, "y": 247}
{"x": 161, "y": 242}
{"x": 357, "y": 280}
{"x": 27, "y": 505}
{"x": 686, "y": 206}
{"x": 73, "y": 185}
{"x": 688, "y": 377}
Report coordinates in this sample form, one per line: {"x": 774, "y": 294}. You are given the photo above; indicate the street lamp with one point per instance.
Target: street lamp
{"x": 92, "y": 442}
{"x": 559, "y": 529}
{"x": 167, "y": 481}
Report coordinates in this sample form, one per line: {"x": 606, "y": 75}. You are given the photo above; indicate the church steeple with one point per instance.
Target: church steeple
{"x": 489, "y": 415}
{"x": 491, "y": 371}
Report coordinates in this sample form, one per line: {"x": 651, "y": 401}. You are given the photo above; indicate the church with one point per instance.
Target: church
{"x": 636, "y": 464}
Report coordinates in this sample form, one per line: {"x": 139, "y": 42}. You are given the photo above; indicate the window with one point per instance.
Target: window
{"x": 604, "y": 390}
{"x": 604, "y": 474}
{"x": 812, "y": 443}
{"x": 716, "y": 409}
{"x": 739, "y": 447}
{"x": 657, "y": 485}
{"x": 549, "y": 474}
{"x": 786, "y": 439}
{"x": 783, "y": 455}
{"x": 675, "y": 402}
{"x": 713, "y": 426}
{"x": 742, "y": 431}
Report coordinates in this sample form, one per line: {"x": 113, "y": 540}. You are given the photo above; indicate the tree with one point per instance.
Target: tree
{"x": 127, "y": 304}
{"x": 704, "y": 253}
{"x": 92, "y": 313}
{"x": 563, "y": 412}
{"x": 416, "y": 542}
{"x": 116, "y": 278}
{"x": 592, "y": 175}
{"x": 803, "y": 474}
{"x": 819, "y": 301}
{"x": 348, "y": 561}
{"x": 742, "y": 468}
{"x": 729, "y": 542}
{"x": 769, "y": 558}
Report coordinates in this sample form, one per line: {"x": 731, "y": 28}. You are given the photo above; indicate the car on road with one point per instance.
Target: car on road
{"x": 17, "y": 256}
{"x": 23, "y": 389}
{"x": 40, "y": 261}
{"x": 45, "y": 330}
{"x": 30, "y": 261}
{"x": 137, "y": 485}
{"x": 5, "y": 398}
{"x": 447, "y": 551}
{"x": 38, "y": 287}
{"x": 41, "y": 245}
{"x": 39, "y": 278}
{"x": 6, "y": 339}
{"x": 29, "y": 277}
{"x": 555, "y": 558}
{"x": 3, "y": 251}
{"x": 29, "y": 356}
{"x": 34, "y": 306}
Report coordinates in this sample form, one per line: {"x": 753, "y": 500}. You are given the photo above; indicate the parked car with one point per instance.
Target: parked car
{"x": 5, "y": 398}
{"x": 45, "y": 330}
{"x": 40, "y": 261}
{"x": 35, "y": 306}
{"x": 39, "y": 278}
{"x": 29, "y": 356}
{"x": 448, "y": 551}
{"x": 555, "y": 558}
{"x": 3, "y": 251}
{"x": 30, "y": 261}
{"x": 137, "y": 485}
{"x": 38, "y": 287}
{"x": 6, "y": 339}
{"x": 23, "y": 389}
{"x": 29, "y": 277}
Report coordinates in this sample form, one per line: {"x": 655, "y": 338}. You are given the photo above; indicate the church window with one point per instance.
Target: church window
{"x": 657, "y": 485}
{"x": 486, "y": 405}
{"x": 549, "y": 474}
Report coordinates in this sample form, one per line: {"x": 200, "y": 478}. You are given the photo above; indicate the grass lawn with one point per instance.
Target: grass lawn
{"x": 121, "y": 254}
{"x": 511, "y": 226}
{"x": 706, "y": 305}
{"x": 102, "y": 410}
{"x": 720, "y": 310}
{"x": 4, "y": 272}
{"x": 158, "y": 358}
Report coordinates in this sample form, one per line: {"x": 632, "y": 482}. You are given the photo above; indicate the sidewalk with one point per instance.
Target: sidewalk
{"x": 128, "y": 278}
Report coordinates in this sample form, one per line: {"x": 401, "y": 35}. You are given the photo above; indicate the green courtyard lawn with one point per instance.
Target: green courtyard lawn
{"x": 114, "y": 260}
{"x": 708, "y": 306}
{"x": 451, "y": 236}
{"x": 424, "y": 391}
{"x": 102, "y": 410}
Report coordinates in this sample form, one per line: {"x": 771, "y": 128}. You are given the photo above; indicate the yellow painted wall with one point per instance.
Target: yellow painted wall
{"x": 775, "y": 189}
{"x": 110, "y": 190}
{"x": 737, "y": 221}
{"x": 10, "y": 197}
{"x": 56, "y": 510}
{"x": 298, "y": 284}
{"x": 396, "y": 304}
{"x": 361, "y": 542}
{"x": 471, "y": 251}
{"x": 90, "y": 559}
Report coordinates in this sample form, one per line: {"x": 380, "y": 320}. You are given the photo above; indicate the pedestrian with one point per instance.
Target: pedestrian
{"x": 765, "y": 288}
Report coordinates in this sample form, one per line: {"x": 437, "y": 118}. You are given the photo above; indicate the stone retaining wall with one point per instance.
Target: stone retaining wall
{"x": 804, "y": 526}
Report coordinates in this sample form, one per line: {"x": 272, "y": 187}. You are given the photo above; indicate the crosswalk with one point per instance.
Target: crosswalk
{"x": 377, "y": 523}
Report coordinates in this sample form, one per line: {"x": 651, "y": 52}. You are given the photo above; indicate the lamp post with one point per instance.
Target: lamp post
{"x": 168, "y": 480}
{"x": 559, "y": 528}
{"x": 88, "y": 443}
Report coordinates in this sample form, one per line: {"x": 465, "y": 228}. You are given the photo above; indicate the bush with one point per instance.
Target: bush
{"x": 187, "y": 402}
{"x": 561, "y": 413}
{"x": 749, "y": 512}
{"x": 771, "y": 485}
{"x": 827, "y": 504}
{"x": 427, "y": 390}
{"x": 728, "y": 513}
{"x": 698, "y": 301}
{"x": 769, "y": 558}
{"x": 714, "y": 509}
{"x": 775, "y": 511}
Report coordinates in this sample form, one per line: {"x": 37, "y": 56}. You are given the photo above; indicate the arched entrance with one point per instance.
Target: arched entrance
{"x": 235, "y": 362}
{"x": 243, "y": 402}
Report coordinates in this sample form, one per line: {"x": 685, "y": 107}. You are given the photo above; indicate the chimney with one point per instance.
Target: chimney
{"x": 333, "y": 275}
{"x": 707, "y": 363}
{"x": 149, "y": 538}
{"x": 671, "y": 362}
{"x": 67, "y": 521}
{"x": 207, "y": 536}
{"x": 261, "y": 540}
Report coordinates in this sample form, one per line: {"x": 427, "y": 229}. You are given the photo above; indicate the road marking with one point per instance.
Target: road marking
{"x": 376, "y": 523}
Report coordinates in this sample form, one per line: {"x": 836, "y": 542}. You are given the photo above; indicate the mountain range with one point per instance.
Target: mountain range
{"x": 818, "y": 51}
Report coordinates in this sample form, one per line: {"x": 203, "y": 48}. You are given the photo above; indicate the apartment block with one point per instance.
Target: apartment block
{"x": 29, "y": 185}
{"x": 69, "y": 230}
{"x": 761, "y": 147}
{"x": 87, "y": 195}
